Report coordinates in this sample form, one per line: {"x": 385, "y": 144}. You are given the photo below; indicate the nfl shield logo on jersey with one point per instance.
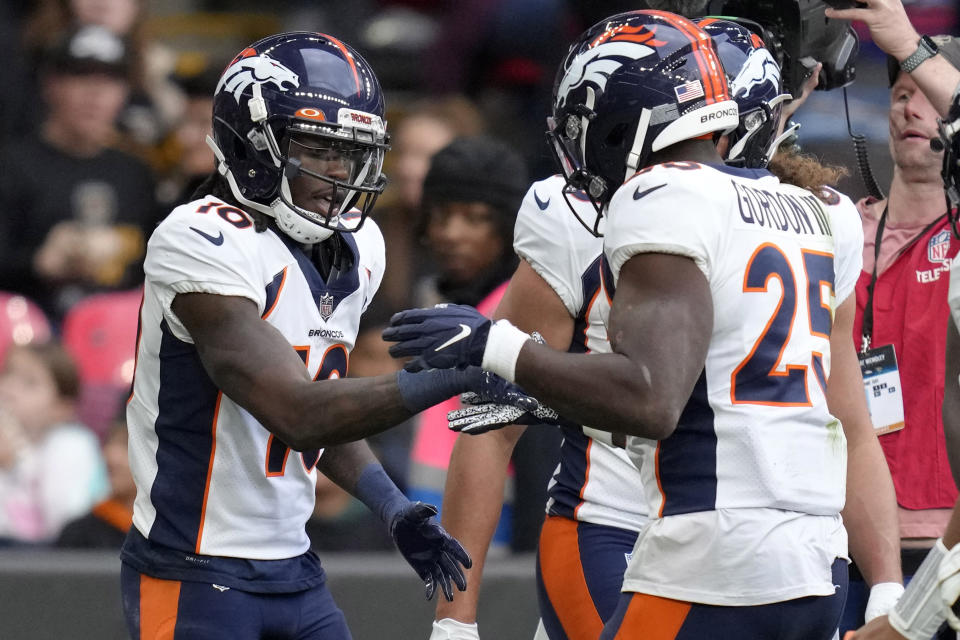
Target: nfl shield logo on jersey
{"x": 326, "y": 304}
{"x": 939, "y": 247}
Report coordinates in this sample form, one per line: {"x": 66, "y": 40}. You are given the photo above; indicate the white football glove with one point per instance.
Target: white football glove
{"x": 450, "y": 629}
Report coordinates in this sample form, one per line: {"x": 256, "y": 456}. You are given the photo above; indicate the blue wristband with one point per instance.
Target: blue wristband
{"x": 376, "y": 490}
{"x": 424, "y": 389}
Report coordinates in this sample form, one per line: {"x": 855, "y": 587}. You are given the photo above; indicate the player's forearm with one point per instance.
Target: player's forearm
{"x": 938, "y": 80}
{"x": 344, "y": 463}
{"x": 870, "y": 515}
{"x": 608, "y": 391}
{"x": 331, "y": 412}
{"x": 472, "y": 502}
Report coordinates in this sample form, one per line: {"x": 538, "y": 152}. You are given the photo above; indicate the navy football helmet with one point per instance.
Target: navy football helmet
{"x": 632, "y": 85}
{"x": 755, "y": 84}
{"x": 299, "y": 134}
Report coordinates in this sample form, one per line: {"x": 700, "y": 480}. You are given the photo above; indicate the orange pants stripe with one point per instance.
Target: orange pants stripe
{"x": 652, "y": 618}
{"x": 563, "y": 579}
{"x": 159, "y": 600}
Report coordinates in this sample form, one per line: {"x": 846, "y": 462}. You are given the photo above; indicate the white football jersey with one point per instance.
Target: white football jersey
{"x": 745, "y": 495}
{"x": 594, "y": 482}
{"x": 210, "y": 479}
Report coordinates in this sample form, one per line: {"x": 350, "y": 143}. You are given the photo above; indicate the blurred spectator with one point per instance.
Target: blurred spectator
{"x": 471, "y": 194}
{"x": 908, "y": 248}
{"x": 100, "y": 332}
{"x": 153, "y": 104}
{"x": 21, "y": 322}
{"x": 51, "y": 469}
{"x": 107, "y": 523}
{"x": 75, "y": 212}
{"x": 190, "y": 158}
{"x": 424, "y": 128}
{"x": 470, "y": 198}
{"x": 502, "y": 54}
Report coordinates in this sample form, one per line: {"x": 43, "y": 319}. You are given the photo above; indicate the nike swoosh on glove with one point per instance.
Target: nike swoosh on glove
{"x": 433, "y": 553}
{"x": 448, "y": 336}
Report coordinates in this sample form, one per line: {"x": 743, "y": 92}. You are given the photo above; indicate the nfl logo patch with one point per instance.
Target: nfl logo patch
{"x": 326, "y": 306}
{"x": 939, "y": 248}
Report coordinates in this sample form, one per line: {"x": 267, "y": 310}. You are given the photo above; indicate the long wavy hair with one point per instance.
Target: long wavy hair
{"x": 805, "y": 171}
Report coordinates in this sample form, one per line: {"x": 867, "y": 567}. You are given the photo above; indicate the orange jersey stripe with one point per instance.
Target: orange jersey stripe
{"x": 159, "y": 602}
{"x": 586, "y": 478}
{"x": 564, "y": 581}
{"x": 283, "y": 281}
{"x": 213, "y": 453}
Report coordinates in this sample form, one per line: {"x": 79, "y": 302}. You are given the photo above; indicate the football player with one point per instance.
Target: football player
{"x": 551, "y": 293}
{"x": 251, "y": 305}
{"x": 719, "y": 351}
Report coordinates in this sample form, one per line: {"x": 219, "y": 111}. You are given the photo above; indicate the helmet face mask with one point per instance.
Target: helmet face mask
{"x": 630, "y": 86}
{"x": 299, "y": 133}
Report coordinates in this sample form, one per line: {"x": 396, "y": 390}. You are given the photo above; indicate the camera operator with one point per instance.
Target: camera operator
{"x": 903, "y": 289}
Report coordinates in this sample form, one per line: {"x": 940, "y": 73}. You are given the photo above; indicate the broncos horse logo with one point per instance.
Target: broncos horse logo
{"x": 606, "y": 54}
{"x": 261, "y": 69}
{"x": 759, "y": 71}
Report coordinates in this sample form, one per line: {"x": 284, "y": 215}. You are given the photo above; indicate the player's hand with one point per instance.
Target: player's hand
{"x": 791, "y": 106}
{"x": 889, "y": 25}
{"x": 433, "y": 553}
{"x": 876, "y": 629}
{"x": 488, "y": 387}
{"x": 448, "y": 336}
{"x": 487, "y": 416}
{"x": 450, "y": 629}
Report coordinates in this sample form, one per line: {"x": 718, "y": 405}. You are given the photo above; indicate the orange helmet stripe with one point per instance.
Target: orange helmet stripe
{"x": 348, "y": 56}
{"x": 711, "y": 69}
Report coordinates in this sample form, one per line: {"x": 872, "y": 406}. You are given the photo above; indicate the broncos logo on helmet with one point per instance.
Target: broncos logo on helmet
{"x": 759, "y": 70}
{"x": 255, "y": 69}
{"x": 607, "y": 53}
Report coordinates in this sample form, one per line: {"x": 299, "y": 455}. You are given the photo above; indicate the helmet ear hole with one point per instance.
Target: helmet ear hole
{"x": 616, "y": 135}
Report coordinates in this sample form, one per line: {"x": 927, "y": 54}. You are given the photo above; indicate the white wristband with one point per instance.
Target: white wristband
{"x": 450, "y": 629}
{"x": 504, "y": 343}
{"x": 920, "y": 611}
{"x": 883, "y": 596}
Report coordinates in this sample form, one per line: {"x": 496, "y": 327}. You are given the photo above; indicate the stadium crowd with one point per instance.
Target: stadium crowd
{"x": 106, "y": 133}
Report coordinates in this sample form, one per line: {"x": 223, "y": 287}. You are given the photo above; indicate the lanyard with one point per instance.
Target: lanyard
{"x": 867, "y": 329}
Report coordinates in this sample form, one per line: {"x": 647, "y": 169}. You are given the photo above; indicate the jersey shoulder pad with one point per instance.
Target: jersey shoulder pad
{"x": 675, "y": 208}
{"x": 207, "y": 246}
{"x": 548, "y": 236}
{"x": 372, "y": 250}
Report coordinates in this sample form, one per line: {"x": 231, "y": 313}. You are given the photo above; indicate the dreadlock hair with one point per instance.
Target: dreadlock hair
{"x": 217, "y": 186}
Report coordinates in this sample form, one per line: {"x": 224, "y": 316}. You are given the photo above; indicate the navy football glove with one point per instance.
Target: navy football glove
{"x": 448, "y": 336}
{"x": 432, "y": 552}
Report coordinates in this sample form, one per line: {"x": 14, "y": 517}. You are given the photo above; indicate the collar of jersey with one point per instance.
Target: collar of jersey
{"x": 340, "y": 286}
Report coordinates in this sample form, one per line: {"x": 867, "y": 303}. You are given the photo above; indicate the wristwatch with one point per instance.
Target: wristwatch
{"x": 926, "y": 48}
